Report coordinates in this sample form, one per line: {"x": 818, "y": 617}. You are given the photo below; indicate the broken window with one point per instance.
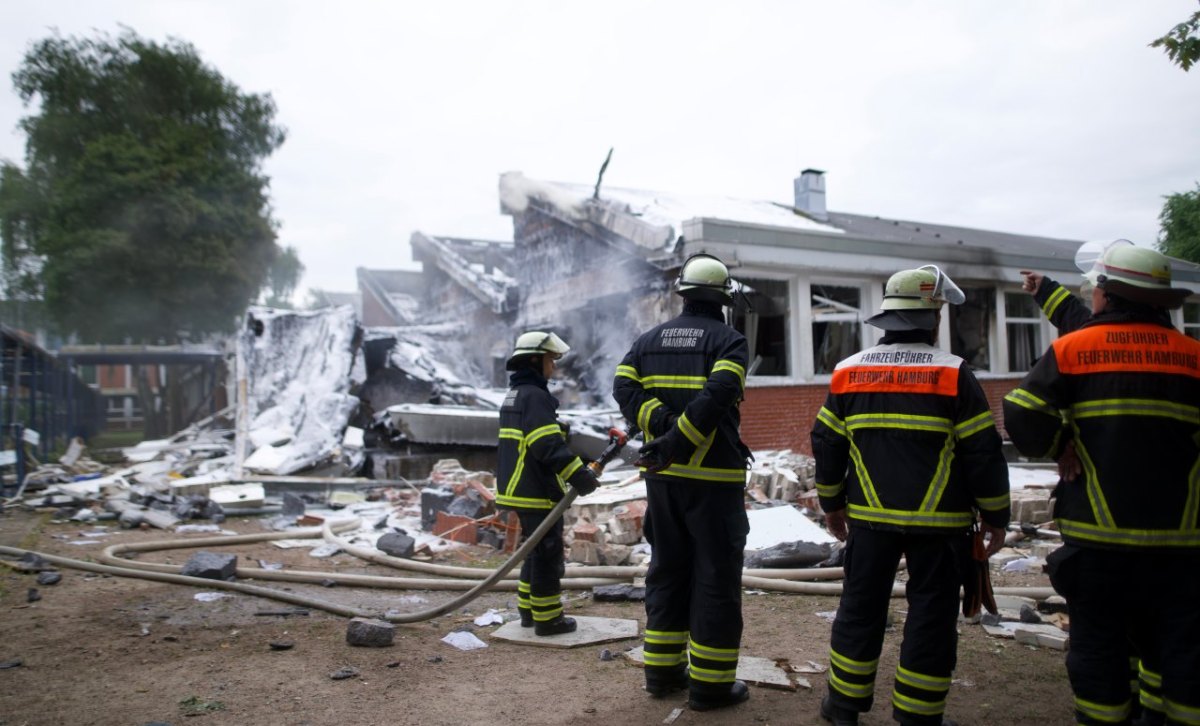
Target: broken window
{"x": 764, "y": 323}
{"x": 970, "y": 324}
{"x": 836, "y": 325}
{"x": 1023, "y": 326}
{"x": 1191, "y": 319}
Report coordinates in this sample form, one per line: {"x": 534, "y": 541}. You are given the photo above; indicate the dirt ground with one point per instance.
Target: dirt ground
{"x": 105, "y": 650}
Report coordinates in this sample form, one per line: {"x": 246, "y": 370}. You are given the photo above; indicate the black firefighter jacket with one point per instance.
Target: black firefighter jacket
{"x": 1126, "y": 389}
{"x": 907, "y": 440}
{"x": 534, "y": 463}
{"x": 1065, "y": 312}
{"x": 690, "y": 373}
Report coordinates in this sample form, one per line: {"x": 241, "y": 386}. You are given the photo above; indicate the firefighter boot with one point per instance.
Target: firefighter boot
{"x": 526, "y": 617}
{"x": 707, "y": 699}
{"x": 557, "y": 626}
{"x": 837, "y": 716}
{"x": 661, "y": 682}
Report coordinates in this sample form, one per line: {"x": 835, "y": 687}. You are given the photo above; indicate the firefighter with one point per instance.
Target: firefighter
{"x": 1124, "y": 390}
{"x": 1067, "y": 313}
{"x": 681, "y": 382}
{"x": 534, "y": 469}
{"x": 907, "y": 457}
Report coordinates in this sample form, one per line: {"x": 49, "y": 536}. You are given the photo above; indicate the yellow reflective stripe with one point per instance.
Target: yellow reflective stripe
{"x": 857, "y": 667}
{"x": 1189, "y": 537}
{"x": 1056, "y": 298}
{"x": 1180, "y": 713}
{"x": 853, "y": 690}
{"x": 696, "y": 382}
{"x": 941, "y": 477}
{"x": 921, "y": 680}
{"x": 1100, "y": 510}
{"x": 702, "y": 450}
{"x": 727, "y": 365}
{"x": 571, "y": 468}
{"x": 543, "y": 616}
{"x": 1101, "y": 712}
{"x": 864, "y": 479}
{"x": 828, "y": 418}
{"x": 511, "y": 434}
{"x": 662, "y": 659}
{"x": 1151, "y": 701}
{"x": 542, "y": 432}
{"x": 1137, "y": 407}
{"x": 709, "y": 675}
{"x": 628, "y": 372}
{"x": 1191, "y": 507}
{"x": 899, "y": 421}
{"x": 831, "y": 490}
{"x": 1150, "y": 678}
{"x": 522, "y": 586}
{"x": 972, "y": 426}
{"x": 918, "y": 706}
{"x": 993, "y": 504}
{"x": 508, "y": 500}
{"x": 690, "y": 431}
{"x": 643, "y": 417}
{"x": 666, "y": 637}
{"x": 916, "y": 519}
{"x": 706, "y": 473}
{"x": 721, "y": 654}
{"x": 1025, "y": 399}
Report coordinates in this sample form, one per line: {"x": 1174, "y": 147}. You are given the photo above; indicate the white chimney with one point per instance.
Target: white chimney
{"x": 810, "y": 193}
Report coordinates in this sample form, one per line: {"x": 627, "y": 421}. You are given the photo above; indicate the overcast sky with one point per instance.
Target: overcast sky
{"x": 1027, "y": 116}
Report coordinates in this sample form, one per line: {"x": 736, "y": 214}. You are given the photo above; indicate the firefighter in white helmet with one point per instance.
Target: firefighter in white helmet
{"x": 534, "y": 469}
{"x": 681, "y": 382}
{"x": 907, "y": 457}
{"x": 1124, "y": 391}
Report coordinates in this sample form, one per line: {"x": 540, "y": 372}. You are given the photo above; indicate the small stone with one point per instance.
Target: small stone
{"x": 281, "y": 645}
{"x": 393, "y": 664}
{"x": 49, "y": 578}
{"x": 33, "y": 595}
{"x": 33, "y": 562}
{"x": 1053, "y": 604}
{"x": 990, "y": 618}
{"x": 434, "y": 659}
{"x": 171, "y": 638}
{"x": 370, "y": 633}
{"x": 606, "y": 654}
{"x": 211, "y": 566}
{"x": 344, "y": 673}
{"x": 14, "y": 663}
{"x": 1029, "y": 615}
{"x": 396, "y": 544}
{"x": 328, "y": 583}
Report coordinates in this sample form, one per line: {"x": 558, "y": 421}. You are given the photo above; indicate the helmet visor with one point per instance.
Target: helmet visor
{"x": 944, "y": 289}
{"x": 1089, "y": 258}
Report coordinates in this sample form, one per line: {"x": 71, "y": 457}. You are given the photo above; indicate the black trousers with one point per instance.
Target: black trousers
{"x": 697, "y": 534}
{"x": 928, "y": 652}
{"x": 1118, "y": 598}
{"x": 539, "y": 589}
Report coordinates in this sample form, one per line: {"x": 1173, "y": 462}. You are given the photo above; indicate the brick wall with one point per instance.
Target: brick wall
{"x": 781, "y": 417}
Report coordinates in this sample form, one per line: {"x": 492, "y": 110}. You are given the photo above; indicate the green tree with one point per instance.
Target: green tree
{"x": 142, "y": 211}
{"x": 1180, "y": 217}
{"x": 282, "y": 278}
{"x": 1182, "y": 43}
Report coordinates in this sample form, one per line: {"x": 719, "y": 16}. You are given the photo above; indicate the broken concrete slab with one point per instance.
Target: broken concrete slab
{"x": 234, "y": 496}
{"x": 618, "y": 593}
{"x": 751, "y": 669}
{"x": 776, "y": 525}
{"x": 396, "y": 544}
{"x": 590, "y": 631}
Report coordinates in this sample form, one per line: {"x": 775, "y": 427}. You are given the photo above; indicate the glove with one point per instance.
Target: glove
{"x": 659, "y": 453}
{"x": 584, "y": 481}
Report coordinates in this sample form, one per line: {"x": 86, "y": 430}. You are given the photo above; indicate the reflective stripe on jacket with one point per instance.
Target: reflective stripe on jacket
{"x": 533, "y": 461}
{"x": 690, "y": 373}
{"x": 1126, "y": 390}
{"x": 906, "y": 441}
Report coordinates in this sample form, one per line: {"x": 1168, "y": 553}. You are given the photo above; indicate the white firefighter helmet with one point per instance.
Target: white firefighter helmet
{"x": 704, "y": 277}
{"x": 911, "y": 299}
{"x": 537, "y": 342}
{"x": 1123, "y": 269}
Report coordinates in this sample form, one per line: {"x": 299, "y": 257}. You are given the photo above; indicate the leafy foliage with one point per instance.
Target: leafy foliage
{"x": 1182, "y": 43}
{"x": 1180, "y": 219}
{"x": 142, "y": 212}
{"x": 282, "y": 278}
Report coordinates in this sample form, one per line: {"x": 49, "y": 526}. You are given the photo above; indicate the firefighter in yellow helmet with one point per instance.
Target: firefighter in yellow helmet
{"x": 1124, "y": 391}
{"x": 534, "y": 469}
{"x": 907, "y": 457}
{"x": 681, "y": 382}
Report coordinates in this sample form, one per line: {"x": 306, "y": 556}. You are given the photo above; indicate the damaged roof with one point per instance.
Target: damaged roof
{"x": 480, "y": 266}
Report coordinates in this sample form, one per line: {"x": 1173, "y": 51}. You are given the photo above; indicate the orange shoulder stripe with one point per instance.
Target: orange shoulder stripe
{"x": 1137, "y": 348}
